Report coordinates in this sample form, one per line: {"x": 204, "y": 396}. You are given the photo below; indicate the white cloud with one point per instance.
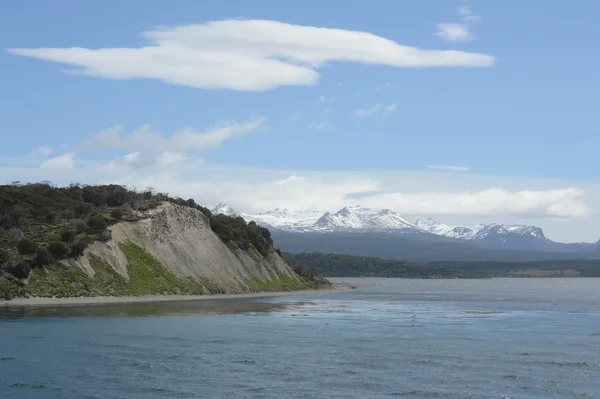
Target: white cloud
{"x": 493, "y": 201}
{"x": 466, "y": 14}
{"x": 391, "y": 107}
{"x": 249, "y": 55}
{"x": 454, "y": 32}
{"x": 319, "y": 125}
{"x": 324, "y": 99}
{"x": 375, "y": 109}
{"x": 452, "y": 168}
{"x": 152, "y": 148}
{"x": 42, "y": 151}
{"x": 65, "y": 161}
{"x": 565, "y": 209}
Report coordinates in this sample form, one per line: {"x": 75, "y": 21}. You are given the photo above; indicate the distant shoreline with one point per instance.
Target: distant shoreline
{"x": 102, "y": 300}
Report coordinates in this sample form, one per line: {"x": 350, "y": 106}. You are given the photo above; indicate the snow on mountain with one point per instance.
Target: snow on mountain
{"x": 358, "y": 218}
{"x": 225, "y": 210}
{"x": 461, "y": 232}
{"x": 288, "y": 220}
{"x": 496, "y": 229}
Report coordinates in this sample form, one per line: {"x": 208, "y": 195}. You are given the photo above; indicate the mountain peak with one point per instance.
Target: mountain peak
{"x": 224, "y": 209}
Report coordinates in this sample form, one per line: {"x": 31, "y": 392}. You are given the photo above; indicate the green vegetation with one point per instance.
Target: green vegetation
{"x": 147, "y": 276}
{"x": 42, "y": 226}
{"x": 58, "y": 249}
{"x": 64, "y": 220}
{"x": 549, "y": 268}
{"x": 334, "y": 265}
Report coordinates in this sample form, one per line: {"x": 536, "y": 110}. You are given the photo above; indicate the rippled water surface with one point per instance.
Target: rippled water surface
{"x": 500, "y": 338}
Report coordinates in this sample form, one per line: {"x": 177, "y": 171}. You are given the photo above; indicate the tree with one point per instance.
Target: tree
{"x": 42, "y": 257}
{"x": 67, "y": 235}
{"x": 20, "y": 270}
{"x": 97, "y": 223}
{"x": 116, "y": 213}
{"x": 26, "y": 246}
{"x": 80, "y": 226}
{"x": 4, "y": 257}
{"x": 59, "y": 249}
{"x": 77, "y": 248}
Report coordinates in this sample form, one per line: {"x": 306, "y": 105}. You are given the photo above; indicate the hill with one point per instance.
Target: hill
{"x": 422, "y": 249}
{"x": 108, "y": 240}
{"x": 336, "y": 265}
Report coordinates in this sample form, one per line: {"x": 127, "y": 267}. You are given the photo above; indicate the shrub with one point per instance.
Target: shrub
{"x": 42, "y": 257}
{"x": 77, "y": 248}
{"x": 26, "y": 246}
{"x": 67, "y": 236}
{"x": 97, "y": 223}
{"x": 116, "y": 213}
{"x": 59, "y": 249}
{"x": 14, "y": 236}
{"x": 80, "y": 226}
{"x": 20, "y": 270}
{"x": 4, "y": 257}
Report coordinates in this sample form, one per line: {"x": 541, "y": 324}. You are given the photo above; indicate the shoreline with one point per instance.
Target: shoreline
{"x": 103, "y": 300}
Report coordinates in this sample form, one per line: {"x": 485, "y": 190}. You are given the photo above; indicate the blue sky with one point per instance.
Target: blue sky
{"x": 338, "y": 109}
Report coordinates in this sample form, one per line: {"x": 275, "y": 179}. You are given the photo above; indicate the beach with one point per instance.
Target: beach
{"x": 53, "y": 301}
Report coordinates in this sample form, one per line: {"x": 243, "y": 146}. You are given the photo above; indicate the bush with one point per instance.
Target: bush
{"x": 14, "y": 235}
{"x": 20, "y": 270}
{"x": 26, "y": 246}
{"x": 67, "y": 236}
{"x": 116, "y": 213}
{"x": 80, "y": 226}
{"x": 42, "y": 257}
{"x": 97, "y": 223}
{"x": 59, "y": 249}
{"x": 3, "y": 257}
{"x": 77, "y": 248}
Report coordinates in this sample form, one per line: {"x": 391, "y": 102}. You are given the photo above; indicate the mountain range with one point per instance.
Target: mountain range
{"x": 366, "y": 221}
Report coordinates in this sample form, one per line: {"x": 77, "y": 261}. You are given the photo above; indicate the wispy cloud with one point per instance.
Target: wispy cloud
{"x": 325, "y": 99}
{"x": 319, "y": 125}
{"x": 391, "y": 107}
{"x": 42, "y": 151}
{"x": 247, "y": 55}
{"x": 65, "y": 161}
{"x": 454, "y": 32}
{"x": 148, "y": 147}
{"x": 466, "y": 14}
{"x": 453, "y": 168}
{"x": 375, "y": 109}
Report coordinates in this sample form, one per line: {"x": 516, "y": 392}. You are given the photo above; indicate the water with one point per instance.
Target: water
{"x": 500, "y": 338}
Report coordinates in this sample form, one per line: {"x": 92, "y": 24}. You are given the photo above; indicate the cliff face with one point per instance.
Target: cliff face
{"x": 181, "y": 240}
{"x": 170, "y": 249}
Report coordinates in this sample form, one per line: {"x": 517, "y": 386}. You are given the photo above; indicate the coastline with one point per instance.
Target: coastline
{"x": 100, "y": 300}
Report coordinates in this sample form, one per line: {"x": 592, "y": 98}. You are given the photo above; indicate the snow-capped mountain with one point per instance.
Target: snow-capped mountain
{"x": 364, "y": 220}
{"x": 225, "y": 210}
{"x": 360, "y": 219}
{"x": 284, "y": 219}
{"x": 461, "y": 232}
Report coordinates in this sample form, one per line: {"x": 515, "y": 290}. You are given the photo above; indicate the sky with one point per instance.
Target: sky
{"x": 465, "y": 111}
